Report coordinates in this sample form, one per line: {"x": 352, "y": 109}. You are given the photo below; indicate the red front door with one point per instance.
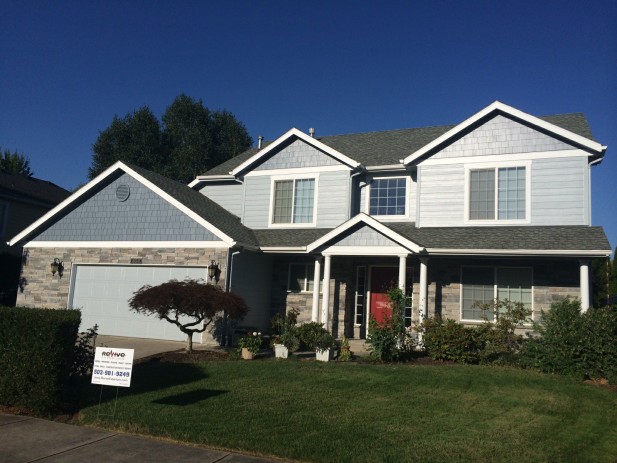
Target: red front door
{"x": 382, "y": 279}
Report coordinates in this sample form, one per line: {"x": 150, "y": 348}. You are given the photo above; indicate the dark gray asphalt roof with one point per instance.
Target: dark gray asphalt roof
{"x": 388, "y": 147}
{"x": 562, "y": 238}
{"x": 31, "y": 188}
{"x": 204, "y": 207}
{"x": 289, "y": 237}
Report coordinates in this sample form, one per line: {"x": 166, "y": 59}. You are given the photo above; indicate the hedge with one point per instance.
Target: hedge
{"x": 36, "y": 355}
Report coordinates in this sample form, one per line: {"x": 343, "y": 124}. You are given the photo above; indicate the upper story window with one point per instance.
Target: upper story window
{"x": 498, "y": 193}
{"x": 388, "y": 196}
{"x": 294, "y": 201}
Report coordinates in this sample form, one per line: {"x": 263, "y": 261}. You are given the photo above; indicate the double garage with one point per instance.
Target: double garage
{"x": 102, "y": 293}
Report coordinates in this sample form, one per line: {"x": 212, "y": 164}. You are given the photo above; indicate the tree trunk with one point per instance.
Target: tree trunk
{"x": 189, "y": 342}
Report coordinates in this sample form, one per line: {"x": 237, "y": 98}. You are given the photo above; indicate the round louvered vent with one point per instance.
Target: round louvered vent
{"x": 123, "y": 192}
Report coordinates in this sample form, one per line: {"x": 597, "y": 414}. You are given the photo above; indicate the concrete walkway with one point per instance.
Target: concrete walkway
{"x": 24, "y": 440}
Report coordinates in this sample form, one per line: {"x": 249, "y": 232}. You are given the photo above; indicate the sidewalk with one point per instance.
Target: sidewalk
{"x": 24, "y": 439}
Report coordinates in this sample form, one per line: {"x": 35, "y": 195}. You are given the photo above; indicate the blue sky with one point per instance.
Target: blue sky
{"x": 66, "y": 68}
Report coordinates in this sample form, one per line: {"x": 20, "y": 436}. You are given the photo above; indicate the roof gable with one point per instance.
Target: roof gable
{"x": 205, "y": 212}
{"x": 32, "y": 189}
{"x": 490, "y": 112}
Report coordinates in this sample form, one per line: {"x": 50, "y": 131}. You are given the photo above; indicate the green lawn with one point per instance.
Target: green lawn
{"x": 339, "y": 412}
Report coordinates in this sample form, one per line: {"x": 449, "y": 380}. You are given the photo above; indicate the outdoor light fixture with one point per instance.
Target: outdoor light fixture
{"x": 213, "y": 270}
{"x": 57, "y": 266}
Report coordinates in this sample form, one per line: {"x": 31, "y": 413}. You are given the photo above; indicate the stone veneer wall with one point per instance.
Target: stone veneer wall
{"x": 41, "y": 289}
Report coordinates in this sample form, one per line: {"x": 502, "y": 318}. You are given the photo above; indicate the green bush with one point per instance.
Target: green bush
{"x": 309, "y": 333}
{"x": 389, "y": 340}
{"x": 449, "y": 340}
{"x": 36, "y": 357}
{"x": 574, "y": 343}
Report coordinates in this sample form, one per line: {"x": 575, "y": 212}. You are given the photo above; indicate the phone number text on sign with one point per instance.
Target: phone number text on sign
{"x": 112, "y": 366}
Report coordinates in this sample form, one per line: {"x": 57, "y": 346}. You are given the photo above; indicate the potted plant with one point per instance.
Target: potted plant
{"x": 325, "y": 347}
{"x": 286, "y": 338}
{"x": 250, "y": 345}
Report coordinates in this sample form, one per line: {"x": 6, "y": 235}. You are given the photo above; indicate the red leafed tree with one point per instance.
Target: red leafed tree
{"x": 201, "y": 302}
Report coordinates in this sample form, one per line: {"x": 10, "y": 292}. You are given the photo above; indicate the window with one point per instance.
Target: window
{"x": 388, "y": 196}
{"x": 485, "y": 284}
{"x": 293, "y": 201}
{"x": 301, "y": 278}
{"x": 498, "y": 193}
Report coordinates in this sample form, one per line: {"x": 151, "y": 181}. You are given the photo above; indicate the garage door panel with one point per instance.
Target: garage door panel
{"x": 102, "y": 293}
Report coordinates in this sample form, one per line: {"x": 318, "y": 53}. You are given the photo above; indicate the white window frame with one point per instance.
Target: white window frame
{"x": 496, "y": 166}
{"x": 277, "y": 178}
{"x": 495, "y": 288}
{"x": 367, "y": 206}
{"x": 307, "y": 274}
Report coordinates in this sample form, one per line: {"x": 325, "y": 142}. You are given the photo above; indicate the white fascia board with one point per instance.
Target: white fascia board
{"x": 371, "y": 222}
{"x": 498, "y": 106}
{"x": 518, "y": 252}
{"x": 127, "y": 244}
{"x": 397, "y": 167}
{"x": 302, "y": 136}
{"x": 212, "y": 178}
{"x": 365, "y": 251}
{"x": 106, "y": 173}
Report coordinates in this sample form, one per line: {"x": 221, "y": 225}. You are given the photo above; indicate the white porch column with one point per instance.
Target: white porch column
{"x": 423, "y": 304}
{"x": 584, "y": 285}
{"x": 402, "y": 272}
{"x": 325, "y": 305}
{"x": 316, "y": 275}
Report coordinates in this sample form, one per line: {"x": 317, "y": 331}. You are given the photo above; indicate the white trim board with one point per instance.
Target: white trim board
{"x": 127, "y": 244}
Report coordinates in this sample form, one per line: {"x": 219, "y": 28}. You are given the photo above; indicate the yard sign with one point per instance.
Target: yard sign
{"x": 112, "y": 366}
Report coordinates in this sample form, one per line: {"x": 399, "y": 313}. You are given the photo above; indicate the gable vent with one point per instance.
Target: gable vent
{"x": 122, "y": 192}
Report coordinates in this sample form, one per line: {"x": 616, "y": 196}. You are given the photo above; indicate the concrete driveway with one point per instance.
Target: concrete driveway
{"x": 145, "y": 347}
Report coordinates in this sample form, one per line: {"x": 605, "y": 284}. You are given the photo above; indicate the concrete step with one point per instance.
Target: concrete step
{"x": 357, "y": 345}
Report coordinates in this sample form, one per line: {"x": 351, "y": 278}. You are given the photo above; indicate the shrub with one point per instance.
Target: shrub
{"x": 251, "y": 341}
{"x": 285, "y": 331}
{"x": 83, "y": 357}
{"x": 36, "y": 356}
{"x": 449, "y": 340}
{"x": 346, "y": 354}
{"x": 574, "y": 343}
{"x": 388, "y": 340}
{"x": 309, "y": 333}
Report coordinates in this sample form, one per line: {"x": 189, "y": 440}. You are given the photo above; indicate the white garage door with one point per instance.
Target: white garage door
{"x": 102, "y": 293}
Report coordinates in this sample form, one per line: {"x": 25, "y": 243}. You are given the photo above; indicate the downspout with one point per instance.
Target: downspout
{"x": 589, "y": 189}
{"x": 227, "y": 339}
{"x": 349, "y": 203}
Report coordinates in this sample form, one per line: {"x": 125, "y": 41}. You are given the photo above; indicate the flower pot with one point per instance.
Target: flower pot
{"x": 247, "y": 354}
{"x": 280, "y": 351}
{"x": 325, "y": 355}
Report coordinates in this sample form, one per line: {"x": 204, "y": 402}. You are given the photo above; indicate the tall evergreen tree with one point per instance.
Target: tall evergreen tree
{"x": 15, "y": 163}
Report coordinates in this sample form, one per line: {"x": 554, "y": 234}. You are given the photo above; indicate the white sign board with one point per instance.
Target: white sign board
{"x": 112, "y": 366}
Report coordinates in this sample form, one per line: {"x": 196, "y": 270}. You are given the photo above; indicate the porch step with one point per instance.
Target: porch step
{"x": 358, "y": 346}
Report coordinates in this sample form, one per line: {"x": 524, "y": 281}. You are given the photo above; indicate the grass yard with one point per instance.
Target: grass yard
{"x": 337, "y": 412}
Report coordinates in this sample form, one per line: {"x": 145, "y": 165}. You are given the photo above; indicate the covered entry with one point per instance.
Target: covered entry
{"x": 102, "y": 293}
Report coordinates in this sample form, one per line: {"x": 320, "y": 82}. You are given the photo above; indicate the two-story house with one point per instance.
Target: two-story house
{"x": 498, "y": 206}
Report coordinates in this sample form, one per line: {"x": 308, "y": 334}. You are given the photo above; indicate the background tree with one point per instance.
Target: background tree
{"x": 15, "y": 163}
{"x": 135, "y": 138}
{"x": 187, "y": 304}
{"x": 190, "y": 140}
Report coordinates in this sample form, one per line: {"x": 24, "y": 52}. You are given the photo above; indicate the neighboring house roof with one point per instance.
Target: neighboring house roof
{"x": 31, "y": 189}
{"x": 390, "y": 147}
{"x": 204, "y": 210}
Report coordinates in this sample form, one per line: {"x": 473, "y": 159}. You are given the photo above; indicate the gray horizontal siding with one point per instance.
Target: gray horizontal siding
{"x": 558, "y": 189}
{"x": 227, "y": 194}
{"x": 256, "y": 201}
{"x": 501, "y": 135}
{"x": 442, "y": 195}
{"x": 333, "y": 199}
{"x": 144, "y": 216}
{"x": 297, "y": 154}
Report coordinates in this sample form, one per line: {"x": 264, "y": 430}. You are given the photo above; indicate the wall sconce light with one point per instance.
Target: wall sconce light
{"x": 213, "y": 270}
{"x": 57, "y": 266}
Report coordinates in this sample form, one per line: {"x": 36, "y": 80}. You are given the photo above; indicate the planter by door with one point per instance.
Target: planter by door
{"x": 325, "y": 355}
{"x": 280, "y": 351}
{"x": 247, "y": 354}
